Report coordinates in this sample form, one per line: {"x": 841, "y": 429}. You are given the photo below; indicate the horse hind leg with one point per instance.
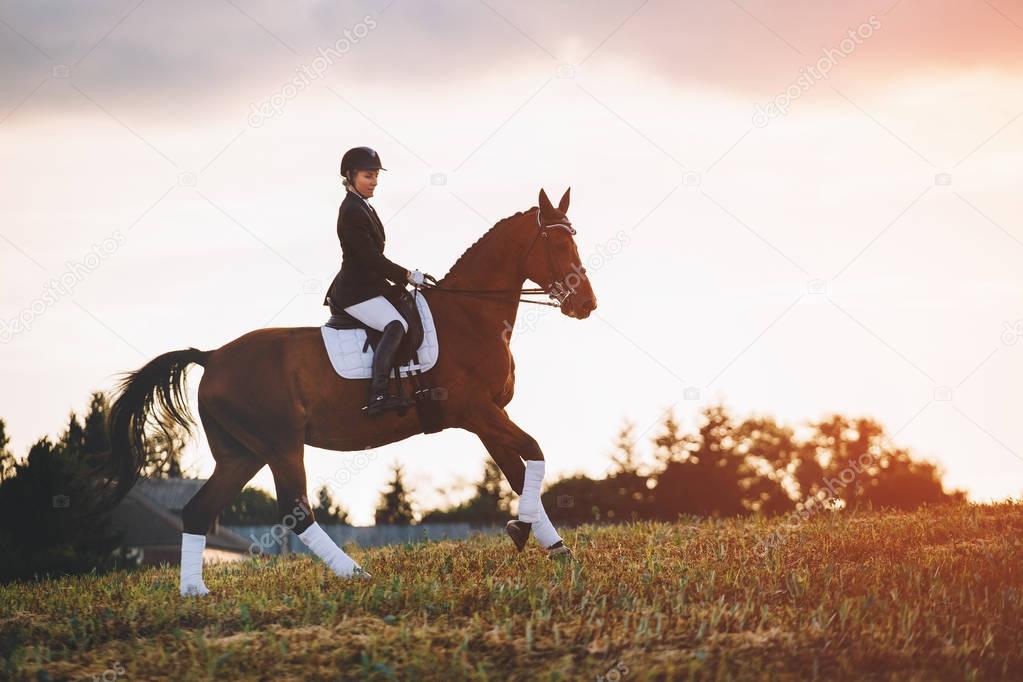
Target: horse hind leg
{"x": 282, "y": 449}
{"x": 235, "y": 466}
{"x": 296, "y": 514}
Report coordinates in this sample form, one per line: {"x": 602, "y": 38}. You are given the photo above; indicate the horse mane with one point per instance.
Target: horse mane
{"x": 484, "y": 238}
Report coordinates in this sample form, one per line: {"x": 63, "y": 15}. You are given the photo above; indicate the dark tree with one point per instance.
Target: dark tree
{"x": 54, "y": 497}
{"x": 671, "y": 445}
{"x": 859, "y": 466}
{"x": 623, "y": 495}
{"x": 489, "y": 503}
{"x": 576, "y": 499}
{"x": 757, "y": 466}
{"x": 624, "y": 457}
{"x": 252, "y": 507}
{"x": 6, "y": 457}
{"x": 704, "y": 474}
{"x": 630, "y": 496}
{"x": 617, "y": 498}
{"x": 395, "y": 506}
{"x": 905, "y": 484}
{"x": 327, "y": 511}
{"x": 770, "y": 451}
{"x": 167, "y": 444}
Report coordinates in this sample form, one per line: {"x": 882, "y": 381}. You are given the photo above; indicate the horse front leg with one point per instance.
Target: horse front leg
{"x": 509, "y": 446}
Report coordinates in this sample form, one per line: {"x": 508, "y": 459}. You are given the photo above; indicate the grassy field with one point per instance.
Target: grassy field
{"x": 934, "y": 594}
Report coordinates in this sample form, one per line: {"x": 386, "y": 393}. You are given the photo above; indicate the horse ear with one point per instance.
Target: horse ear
{"x": 545, "y": 204}
{"x": 563, "y": 204}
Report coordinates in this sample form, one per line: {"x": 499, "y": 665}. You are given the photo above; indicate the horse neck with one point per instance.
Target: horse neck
{"x": 493, "y": 262}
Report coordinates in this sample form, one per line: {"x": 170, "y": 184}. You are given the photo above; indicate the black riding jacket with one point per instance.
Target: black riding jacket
{"x": 364, "y": 268}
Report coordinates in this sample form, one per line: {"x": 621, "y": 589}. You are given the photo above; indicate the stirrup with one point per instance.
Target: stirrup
{"x": 386, "y": 401}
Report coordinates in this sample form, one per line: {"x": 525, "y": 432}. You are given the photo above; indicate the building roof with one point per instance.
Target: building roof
{"x": 146, "y": 522}
{"x": 170, "y": 493}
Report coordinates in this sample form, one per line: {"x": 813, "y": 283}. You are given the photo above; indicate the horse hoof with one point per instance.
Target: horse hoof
{"x": 559, "y": 551}
{"x": 199, "y": 590}
{"x": 518, "y": 531}
{"x": 362, "y": 573}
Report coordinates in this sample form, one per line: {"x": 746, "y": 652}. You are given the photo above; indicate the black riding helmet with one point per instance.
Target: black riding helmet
{"x": 360, "y": 158}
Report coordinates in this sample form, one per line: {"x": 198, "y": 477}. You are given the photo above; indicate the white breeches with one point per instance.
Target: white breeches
{"x": 376, "y": 312}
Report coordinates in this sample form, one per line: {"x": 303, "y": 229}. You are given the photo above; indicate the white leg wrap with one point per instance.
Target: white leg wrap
{"x": 192, "y": 547}
{"x": 544, "y": 530}
{"x": 317, "y": 540}
{"x": 529, "y": 501}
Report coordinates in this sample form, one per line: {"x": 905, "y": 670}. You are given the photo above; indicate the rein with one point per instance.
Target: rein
{"x": 555, "y": 290}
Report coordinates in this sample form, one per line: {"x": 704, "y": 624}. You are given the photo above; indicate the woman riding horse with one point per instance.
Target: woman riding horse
{"x": 269, "y": 393}
{"x": 361, "y": 286}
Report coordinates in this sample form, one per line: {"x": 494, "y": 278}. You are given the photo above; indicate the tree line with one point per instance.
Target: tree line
{"x": 726, "y": 467}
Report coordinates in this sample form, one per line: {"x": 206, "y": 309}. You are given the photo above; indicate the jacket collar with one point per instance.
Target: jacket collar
{"x": 360, "y": 200}
{"x": 355, "y": 196}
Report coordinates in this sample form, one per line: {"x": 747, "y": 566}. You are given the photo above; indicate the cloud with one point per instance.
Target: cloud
{"x": 157, "y": 56}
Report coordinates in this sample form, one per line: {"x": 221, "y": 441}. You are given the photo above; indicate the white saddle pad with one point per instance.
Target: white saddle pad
{"x": 344, "y": 347}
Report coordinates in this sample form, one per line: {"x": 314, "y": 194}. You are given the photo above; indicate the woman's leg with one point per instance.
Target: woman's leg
{"x": 376, "y": 312}
{"x": 379, "y": 314}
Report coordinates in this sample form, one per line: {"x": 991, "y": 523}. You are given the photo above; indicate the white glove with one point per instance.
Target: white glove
{"x": 416, "y": 277}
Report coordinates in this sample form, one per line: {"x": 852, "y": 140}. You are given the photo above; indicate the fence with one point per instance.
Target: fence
{"x": 279, "y": 540}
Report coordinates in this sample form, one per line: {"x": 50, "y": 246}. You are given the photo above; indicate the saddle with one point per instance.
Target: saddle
{"x": 402, "y": 300}
{"x": 426, "y": 398}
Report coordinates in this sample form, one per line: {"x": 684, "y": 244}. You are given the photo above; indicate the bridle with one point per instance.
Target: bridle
{"x": 555, "y": 290}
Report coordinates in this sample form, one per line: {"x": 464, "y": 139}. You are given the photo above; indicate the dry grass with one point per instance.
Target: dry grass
{"x": 933, "y": 594}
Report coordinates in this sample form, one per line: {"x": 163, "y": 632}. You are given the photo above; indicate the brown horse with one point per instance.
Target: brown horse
{"x": 268, "y": 393}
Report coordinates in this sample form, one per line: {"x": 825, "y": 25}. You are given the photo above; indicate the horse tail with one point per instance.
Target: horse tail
{"x": 160, "y": 383}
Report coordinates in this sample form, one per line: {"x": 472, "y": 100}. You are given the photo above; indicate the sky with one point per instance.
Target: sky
{"x": 790, "y": 209}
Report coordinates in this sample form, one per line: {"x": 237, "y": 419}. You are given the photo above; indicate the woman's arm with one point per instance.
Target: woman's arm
{"x": 354, "y": 234}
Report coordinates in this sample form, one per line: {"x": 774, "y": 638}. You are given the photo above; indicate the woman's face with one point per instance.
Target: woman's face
{"x": 366, "y": 182}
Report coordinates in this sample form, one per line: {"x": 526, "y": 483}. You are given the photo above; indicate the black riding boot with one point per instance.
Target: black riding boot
{"x": 380, "y": 398}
